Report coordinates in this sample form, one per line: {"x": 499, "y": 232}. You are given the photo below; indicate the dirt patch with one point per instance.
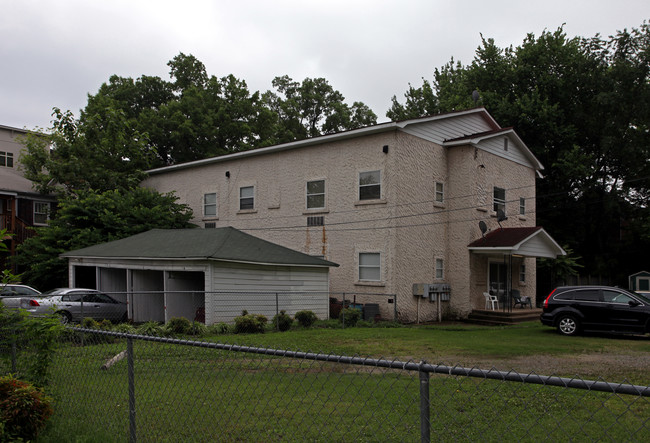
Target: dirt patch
{"x": 611, "y": 367}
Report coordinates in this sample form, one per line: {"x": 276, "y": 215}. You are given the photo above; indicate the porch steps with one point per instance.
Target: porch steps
{"x": 499, "y": 318}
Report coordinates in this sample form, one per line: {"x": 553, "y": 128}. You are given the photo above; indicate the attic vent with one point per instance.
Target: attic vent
{"x": 505, "y": 144}
{"x": 315, "y": 221}
{"x": 210, "y": 225}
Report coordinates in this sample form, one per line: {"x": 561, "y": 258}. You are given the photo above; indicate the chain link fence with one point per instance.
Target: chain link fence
{"x": 110, "y": 386}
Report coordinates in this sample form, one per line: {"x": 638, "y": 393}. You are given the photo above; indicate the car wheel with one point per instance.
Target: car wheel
{"x": 65, "y": 317}
{"x": 568, "y": 325}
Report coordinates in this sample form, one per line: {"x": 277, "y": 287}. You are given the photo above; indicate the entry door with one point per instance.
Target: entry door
{"x": 497, "y": 279}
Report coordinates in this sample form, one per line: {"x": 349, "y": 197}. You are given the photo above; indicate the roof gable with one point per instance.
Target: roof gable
{"x": 494, "y": 142}
{"x": 221, "y": 244}
{"x": 527, "y": 241}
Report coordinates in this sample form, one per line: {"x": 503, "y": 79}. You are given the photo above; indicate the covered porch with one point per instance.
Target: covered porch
{"x": 505, "y": 257}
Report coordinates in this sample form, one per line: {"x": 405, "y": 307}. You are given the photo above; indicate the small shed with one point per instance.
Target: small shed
{"x": 167, "y": 273}
{"x": 640, "y": 282}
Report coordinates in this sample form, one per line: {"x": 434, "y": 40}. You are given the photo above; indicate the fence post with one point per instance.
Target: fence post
{"x": 14, "y": 351}
{"x": 425, "y": 424}
{"x": 277, "y": 312}
{"x": 131, "y": 375}
{"x": 343, "y": 311}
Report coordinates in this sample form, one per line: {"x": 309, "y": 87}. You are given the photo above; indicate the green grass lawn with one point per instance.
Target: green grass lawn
{"x": 195, "y": 394}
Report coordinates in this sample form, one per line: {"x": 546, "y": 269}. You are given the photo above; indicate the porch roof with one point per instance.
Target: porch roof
{"x": 221, "y": 244}
{"x": 526, "y": 241}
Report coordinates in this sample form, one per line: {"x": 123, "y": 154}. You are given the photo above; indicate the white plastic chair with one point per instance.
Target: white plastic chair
{"x": 491, "y": 301}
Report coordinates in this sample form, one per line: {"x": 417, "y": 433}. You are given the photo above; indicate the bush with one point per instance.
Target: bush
{"x": 252, "y": 323}
{"x": 89, "y": 323}
{"x": 282, "y": 321}
{"x": 219, "y": 328}
{"x": 24, "y": 409}
{"x": 178, "y": 325}
{"x": 151, "y": 328}
{"x": 197, "y": 329}
{"x": 125, "y": 328}
{"x": 306, "y": 318}
{"x": 352, "y": 316}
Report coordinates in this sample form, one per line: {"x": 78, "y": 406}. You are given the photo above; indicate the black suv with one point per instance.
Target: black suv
{"x": 572, "y": 309}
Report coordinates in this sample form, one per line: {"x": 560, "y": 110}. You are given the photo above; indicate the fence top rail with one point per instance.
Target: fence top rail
{"x": 422, "y": 366}
{"x": 241, "y": 292}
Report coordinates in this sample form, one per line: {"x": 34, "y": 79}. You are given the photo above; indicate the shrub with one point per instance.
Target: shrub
{"x": 178, "y": 325}
{"x": 352, "y": 316}
{"x": 125, "y": 328}
{"x": 282, "y": 321}
{"x": 151, "y": 328}
{"x": 197, "y": 329}
{"x": 253, "y": 323}
{"x": 89, "y": 323}
{"x": 306, "y": 318}
{"x": 24, "y": 410}
{"x": 219, "y": 328}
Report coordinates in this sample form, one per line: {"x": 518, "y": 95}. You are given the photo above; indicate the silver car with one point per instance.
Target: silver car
{"x": 74, "y": 304}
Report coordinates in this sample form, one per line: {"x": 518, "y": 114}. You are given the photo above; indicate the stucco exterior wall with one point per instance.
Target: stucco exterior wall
{"x": 406, "y": 226}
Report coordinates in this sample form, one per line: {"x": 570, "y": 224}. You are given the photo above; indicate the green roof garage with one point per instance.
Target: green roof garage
{"x": 167, "y": 273}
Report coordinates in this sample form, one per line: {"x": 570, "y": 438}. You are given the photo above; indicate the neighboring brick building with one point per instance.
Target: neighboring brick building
{"x": 395, "y": 205}
{"x": 20, "y": 206}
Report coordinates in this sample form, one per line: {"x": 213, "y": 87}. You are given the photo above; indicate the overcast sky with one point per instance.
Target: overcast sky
{"x": 54, "y": 53}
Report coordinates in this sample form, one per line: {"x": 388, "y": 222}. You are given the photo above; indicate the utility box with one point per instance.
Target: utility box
{"x": 432, "y": 291}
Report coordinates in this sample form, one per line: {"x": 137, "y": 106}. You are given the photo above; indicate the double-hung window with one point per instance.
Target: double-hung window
{"x": 41, "y": 213}
{"x": 370, "y": 185}
{"x": 316, "y": 194}
{"x": 369, "y": 266}
{"x": 522, "y": 206}
{"x": 210, "y": 204}
{"x": 499, "y": 201}
{"x": 440, "y": 193}
{"x": 247, "y": 198}
{"x": 440, "y": 269}
{"x": 7, "y": 159}
{"x": 522, "y": 273}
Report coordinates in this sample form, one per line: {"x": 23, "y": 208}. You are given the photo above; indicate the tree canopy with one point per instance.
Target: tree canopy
{"x": 90, "y": 218}
{"x": 583, "y": 107}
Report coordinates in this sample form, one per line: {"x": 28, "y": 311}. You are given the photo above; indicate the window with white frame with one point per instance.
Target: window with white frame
{"x": 316, "y": 194}
{"x": 247, "y": 197}
{"x": 440, "y": 193}
{"x": 440, "y": 266}
{"x": 41, "y": 213}
{"x": 370, "y": 185}
{"x": 210, "y": 204}
{"x": 522, "y": 273}
{"x": 7, "y": 159}
{"x": 499, "y": 200}
{"x": 369, "y": 266}
{"x": 522, "y": 206}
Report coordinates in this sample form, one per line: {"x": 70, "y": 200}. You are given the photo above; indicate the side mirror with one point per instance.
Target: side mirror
{"x": 633, "y": 303}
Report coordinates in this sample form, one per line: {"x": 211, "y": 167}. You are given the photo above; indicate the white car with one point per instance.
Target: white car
{"x": 74, "y": 304}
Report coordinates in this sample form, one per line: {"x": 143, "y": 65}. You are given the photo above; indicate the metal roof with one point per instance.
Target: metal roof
{"x": 220, "y": 244}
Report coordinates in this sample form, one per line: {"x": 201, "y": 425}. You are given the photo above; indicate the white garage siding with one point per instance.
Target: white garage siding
{"x": 254, "y": 288}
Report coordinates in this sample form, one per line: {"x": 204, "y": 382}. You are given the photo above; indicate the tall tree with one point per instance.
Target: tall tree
{"x": 102, "y": 152}
{"x": 90, "y": 218}
{"x": 313, "y": 108}
{"x": 583, "y": 107}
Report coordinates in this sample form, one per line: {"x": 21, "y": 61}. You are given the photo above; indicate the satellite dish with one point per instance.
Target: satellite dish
{"x": 483, "y": 227}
